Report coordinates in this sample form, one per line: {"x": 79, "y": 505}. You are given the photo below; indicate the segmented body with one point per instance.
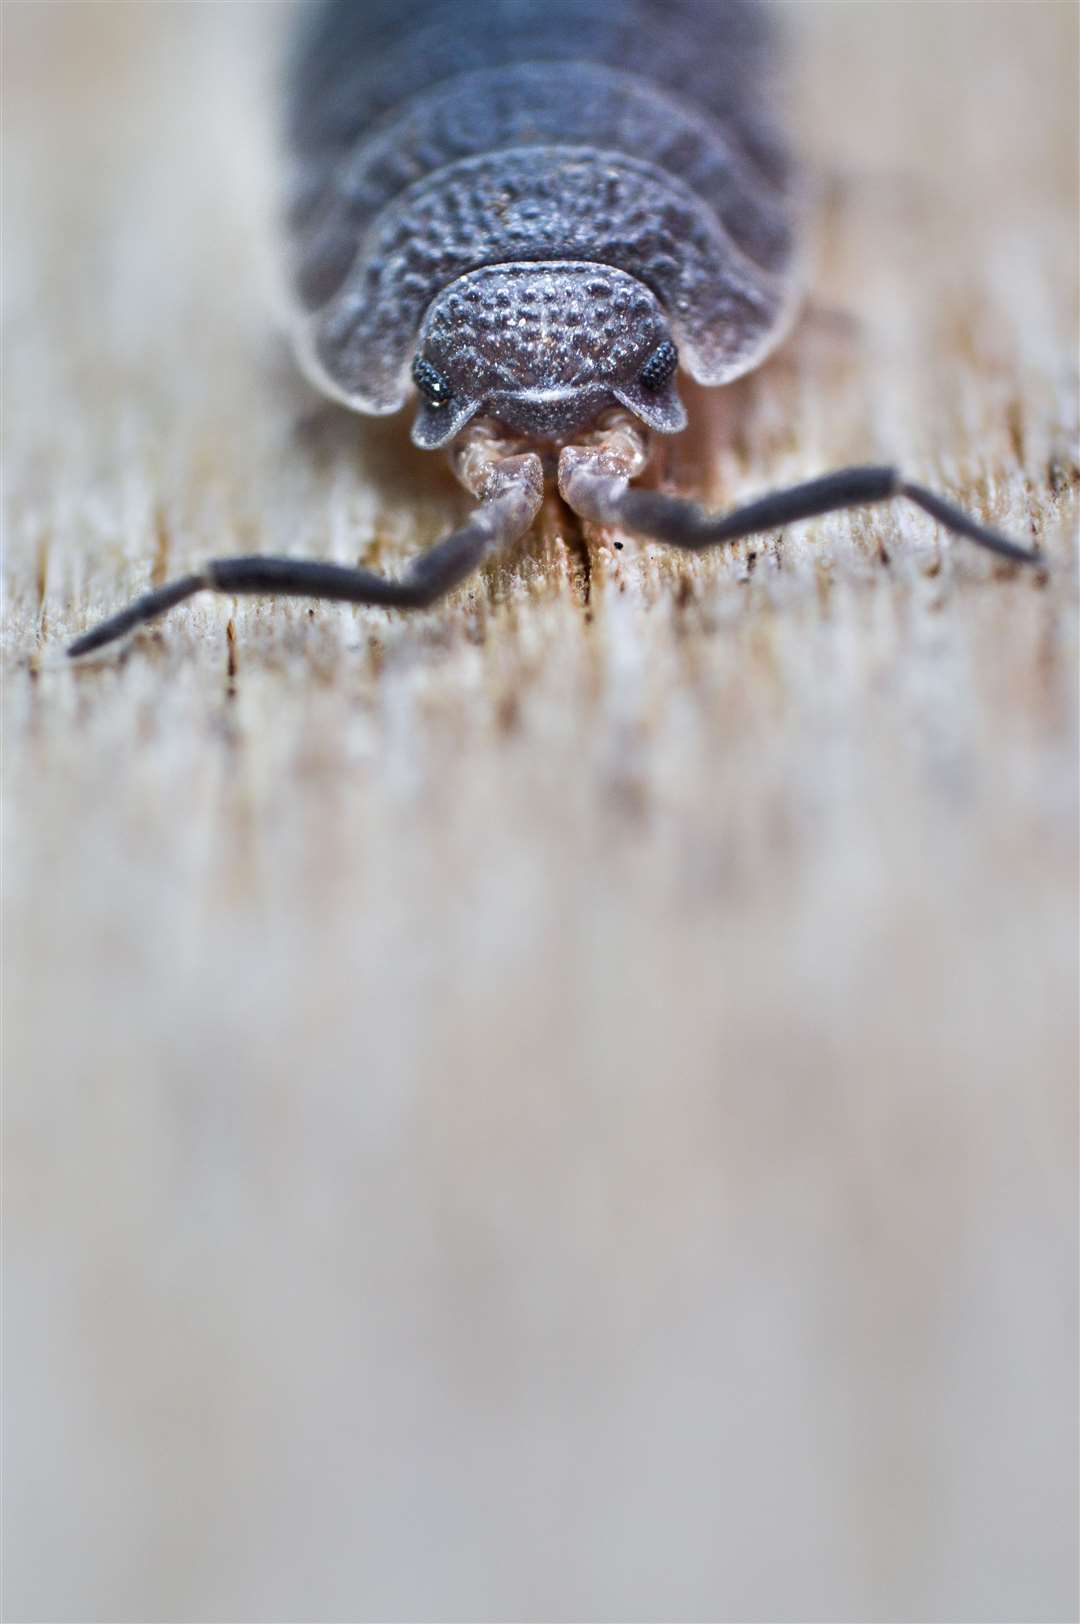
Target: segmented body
{"x": 533, "y": 211}
{"x": 433, "y": 138}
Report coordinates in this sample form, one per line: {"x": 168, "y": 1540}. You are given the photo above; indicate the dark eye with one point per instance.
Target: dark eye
{"x": 661, "y": 365}
{"x": 431, "y": 383}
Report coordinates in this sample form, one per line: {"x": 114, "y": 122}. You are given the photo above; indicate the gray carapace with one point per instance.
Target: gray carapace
{"x": 528, "y": 216}
{"x": 535, "y": 198}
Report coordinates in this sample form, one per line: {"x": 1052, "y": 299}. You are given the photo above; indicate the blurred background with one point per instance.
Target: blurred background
{"x": 563, "y": 1107}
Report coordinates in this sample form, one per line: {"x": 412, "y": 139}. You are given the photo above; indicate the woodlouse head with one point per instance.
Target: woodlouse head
{"x": 544, "y": 349}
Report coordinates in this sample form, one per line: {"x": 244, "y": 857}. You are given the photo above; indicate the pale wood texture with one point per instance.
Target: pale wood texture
{"x": 564, "y": 1106}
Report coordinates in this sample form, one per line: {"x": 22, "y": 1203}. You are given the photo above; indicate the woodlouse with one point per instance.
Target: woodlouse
{"x": 532, "y": 213}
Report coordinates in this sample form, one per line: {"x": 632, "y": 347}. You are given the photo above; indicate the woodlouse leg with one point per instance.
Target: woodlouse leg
{"x": 592, "y": 483}
{"x": 510, "y": 488}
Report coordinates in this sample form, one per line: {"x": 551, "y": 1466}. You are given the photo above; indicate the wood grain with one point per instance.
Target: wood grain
{"x": 563, "y": 1106}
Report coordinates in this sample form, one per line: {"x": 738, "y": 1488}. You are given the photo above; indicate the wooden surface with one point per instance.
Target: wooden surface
{"x": 563, "y": 1106}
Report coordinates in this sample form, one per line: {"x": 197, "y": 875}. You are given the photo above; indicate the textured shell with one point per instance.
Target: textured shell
{"x": 430, "y": 138}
